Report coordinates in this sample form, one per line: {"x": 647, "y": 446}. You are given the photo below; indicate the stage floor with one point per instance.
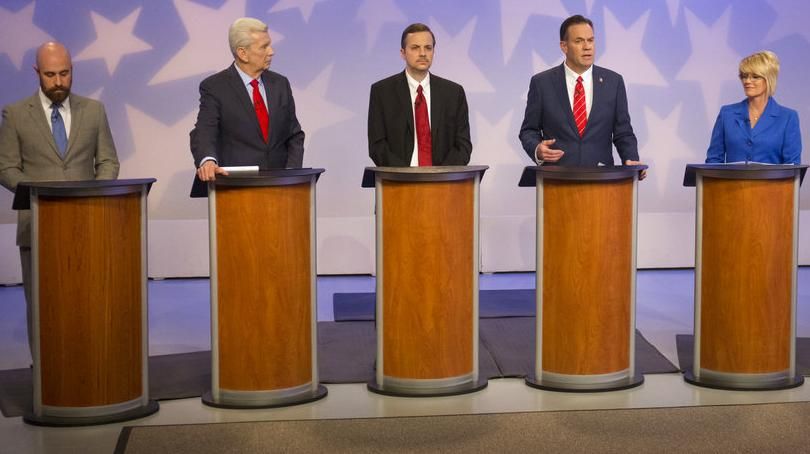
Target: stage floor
{"x": 179, "y": 321}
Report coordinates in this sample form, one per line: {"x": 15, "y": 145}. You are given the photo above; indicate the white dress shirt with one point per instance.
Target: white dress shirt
{"x": 587, "y": 84}
{"x": 413, "y": 85}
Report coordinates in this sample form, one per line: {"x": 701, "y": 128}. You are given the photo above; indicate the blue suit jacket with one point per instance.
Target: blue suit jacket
{"x": 775, "y": 139}
{"x": 549, "y": 116}
{"x": 228, "y": 131}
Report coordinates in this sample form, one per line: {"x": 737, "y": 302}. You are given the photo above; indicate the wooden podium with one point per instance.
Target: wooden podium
{"x": 586, "y": 277}
{"x": 746, "y": 247}
{"x": 263, "y": 298}
{"x": 89, "y": 300}
{"x": 427, "y": 279}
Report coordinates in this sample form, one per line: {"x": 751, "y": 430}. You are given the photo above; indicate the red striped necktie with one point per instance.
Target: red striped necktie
{"x": 580, "y": 113}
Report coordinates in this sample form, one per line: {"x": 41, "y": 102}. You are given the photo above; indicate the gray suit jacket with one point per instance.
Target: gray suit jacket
{"x": 28, "y": 151}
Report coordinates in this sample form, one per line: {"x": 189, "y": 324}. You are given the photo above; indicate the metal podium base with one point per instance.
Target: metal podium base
{"x": 731, "y": 385}
{"x": 286, "y": 401}
{"x": 402, "y": 391}
{"x": 616, "y": 385}
{"x": 74, "y": 421}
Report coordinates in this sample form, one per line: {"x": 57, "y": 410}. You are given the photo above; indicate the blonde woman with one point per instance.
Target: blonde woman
{"x": 757, "y": 129}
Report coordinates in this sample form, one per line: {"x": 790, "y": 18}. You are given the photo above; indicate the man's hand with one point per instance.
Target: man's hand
{"x": 209, "y": 170}
{"x": 545, "y": 153}
{"x": 637, "y": 163}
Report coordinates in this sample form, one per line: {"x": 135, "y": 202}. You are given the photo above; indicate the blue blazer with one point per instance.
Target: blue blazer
{"x": 549, "y": 116}
{"x": 775, "y": 139}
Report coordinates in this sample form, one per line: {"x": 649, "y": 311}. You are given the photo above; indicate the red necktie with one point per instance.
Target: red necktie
{"x": 261, "y": 109}
{"x": 580, "y": 114}
{"x": 423, "y": 139}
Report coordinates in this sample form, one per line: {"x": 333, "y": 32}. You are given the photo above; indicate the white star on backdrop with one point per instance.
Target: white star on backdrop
{"x": 207, "y": 36}
{"x": 452, "y": 59}
{"x": 496, "y": 145}
{"x": 314, "y": 111}
{"x": 787, "y": 21}
{"x": 169, "y": 198}
{"x": 671, "y": 153}
{"x": 377, "y": 13}
{"x": 624, "y": 53}
{"x": 305, "y": 6}
{"x": 673, "y": 6}
{"x": 515, "y": 15}
{"x": 113, "y": 40}
{"x": 539, "y": 64}
{"x": 710, "y": 49}
{"x": 19, "y": 34}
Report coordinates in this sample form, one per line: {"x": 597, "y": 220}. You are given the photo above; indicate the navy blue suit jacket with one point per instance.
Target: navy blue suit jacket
{"x": 391, "y": 125}
{"x": 227, "y": 128}
{"x": 775, "y": 139}
{"x": 549, "y": 116}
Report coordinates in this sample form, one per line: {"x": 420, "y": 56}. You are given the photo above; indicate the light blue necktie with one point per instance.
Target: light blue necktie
{"x": 58, "y": 127}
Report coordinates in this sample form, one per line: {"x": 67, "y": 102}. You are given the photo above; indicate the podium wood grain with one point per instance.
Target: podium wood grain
{"x": 747, "y": 262}
{"x": 90, "y": 300}
{"x": 587, "y": 246}
{"x": 264, "y": 295}
{"x": 428, "y": 267}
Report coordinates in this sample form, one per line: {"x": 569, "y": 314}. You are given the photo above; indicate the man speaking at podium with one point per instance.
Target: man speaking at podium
{"x": 416, "y": 118}
{"x": 247, "y": 113}
{"x": 53, "y": 135}
{"x": 577, "y": 112}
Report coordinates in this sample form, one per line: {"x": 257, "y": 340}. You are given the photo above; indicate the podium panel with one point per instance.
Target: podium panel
{"x": 431, "y": 339}
{"x": 745, "y": 276}
{"x": 263, "y": 266}
{"x": 586, "y": 267}
{"x": 587, "y": 247}
{"x": 263, "y": 271}
{"x": 427, "y": 280}
{"x": 89, "y": 301}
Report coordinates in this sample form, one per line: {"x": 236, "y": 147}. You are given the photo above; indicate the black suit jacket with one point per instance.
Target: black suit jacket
{"x": 549, "y": 116}
{"x": 227, "y": 128}
{"x": 391, "y": 125}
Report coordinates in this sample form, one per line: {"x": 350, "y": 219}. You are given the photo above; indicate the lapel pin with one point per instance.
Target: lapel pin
{"x": 600, "y": 80}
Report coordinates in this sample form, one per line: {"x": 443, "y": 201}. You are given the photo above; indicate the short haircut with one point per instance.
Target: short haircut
{"x": 764, "y": 64}
{"x": 416, "y": 28}
{"x": 240, "y": 31}
{"x": 573, "y": 20}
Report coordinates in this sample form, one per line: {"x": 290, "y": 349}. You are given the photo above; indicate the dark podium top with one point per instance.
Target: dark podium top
{"x": 83, "y": 188}
{"x": 271, "y": 177}
{"x": 427, "y": 173}
{"x": 603, "y": 173}
{"x": 750, "y": 171}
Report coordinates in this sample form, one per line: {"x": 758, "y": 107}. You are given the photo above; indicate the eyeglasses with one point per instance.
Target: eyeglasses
{"x": 751, "y": 77}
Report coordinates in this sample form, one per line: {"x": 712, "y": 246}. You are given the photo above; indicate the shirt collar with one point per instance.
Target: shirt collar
{"x": 245, "y": 78}
{"x": 571, "y": 74}
{"x": 414, "y": 84}
{"x": 46, "y": 102}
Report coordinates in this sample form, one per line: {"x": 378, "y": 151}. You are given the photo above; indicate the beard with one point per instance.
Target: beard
{"x": 57, "y": 94}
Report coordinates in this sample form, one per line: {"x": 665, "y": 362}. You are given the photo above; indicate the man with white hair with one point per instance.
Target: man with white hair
{"x": 247, "y": 113}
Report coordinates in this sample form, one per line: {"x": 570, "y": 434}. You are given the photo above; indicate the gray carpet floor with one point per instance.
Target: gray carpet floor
{"x": 760, "y": 428}
{"x": 346, "y": 354}
{"x": 686, "y": 353}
